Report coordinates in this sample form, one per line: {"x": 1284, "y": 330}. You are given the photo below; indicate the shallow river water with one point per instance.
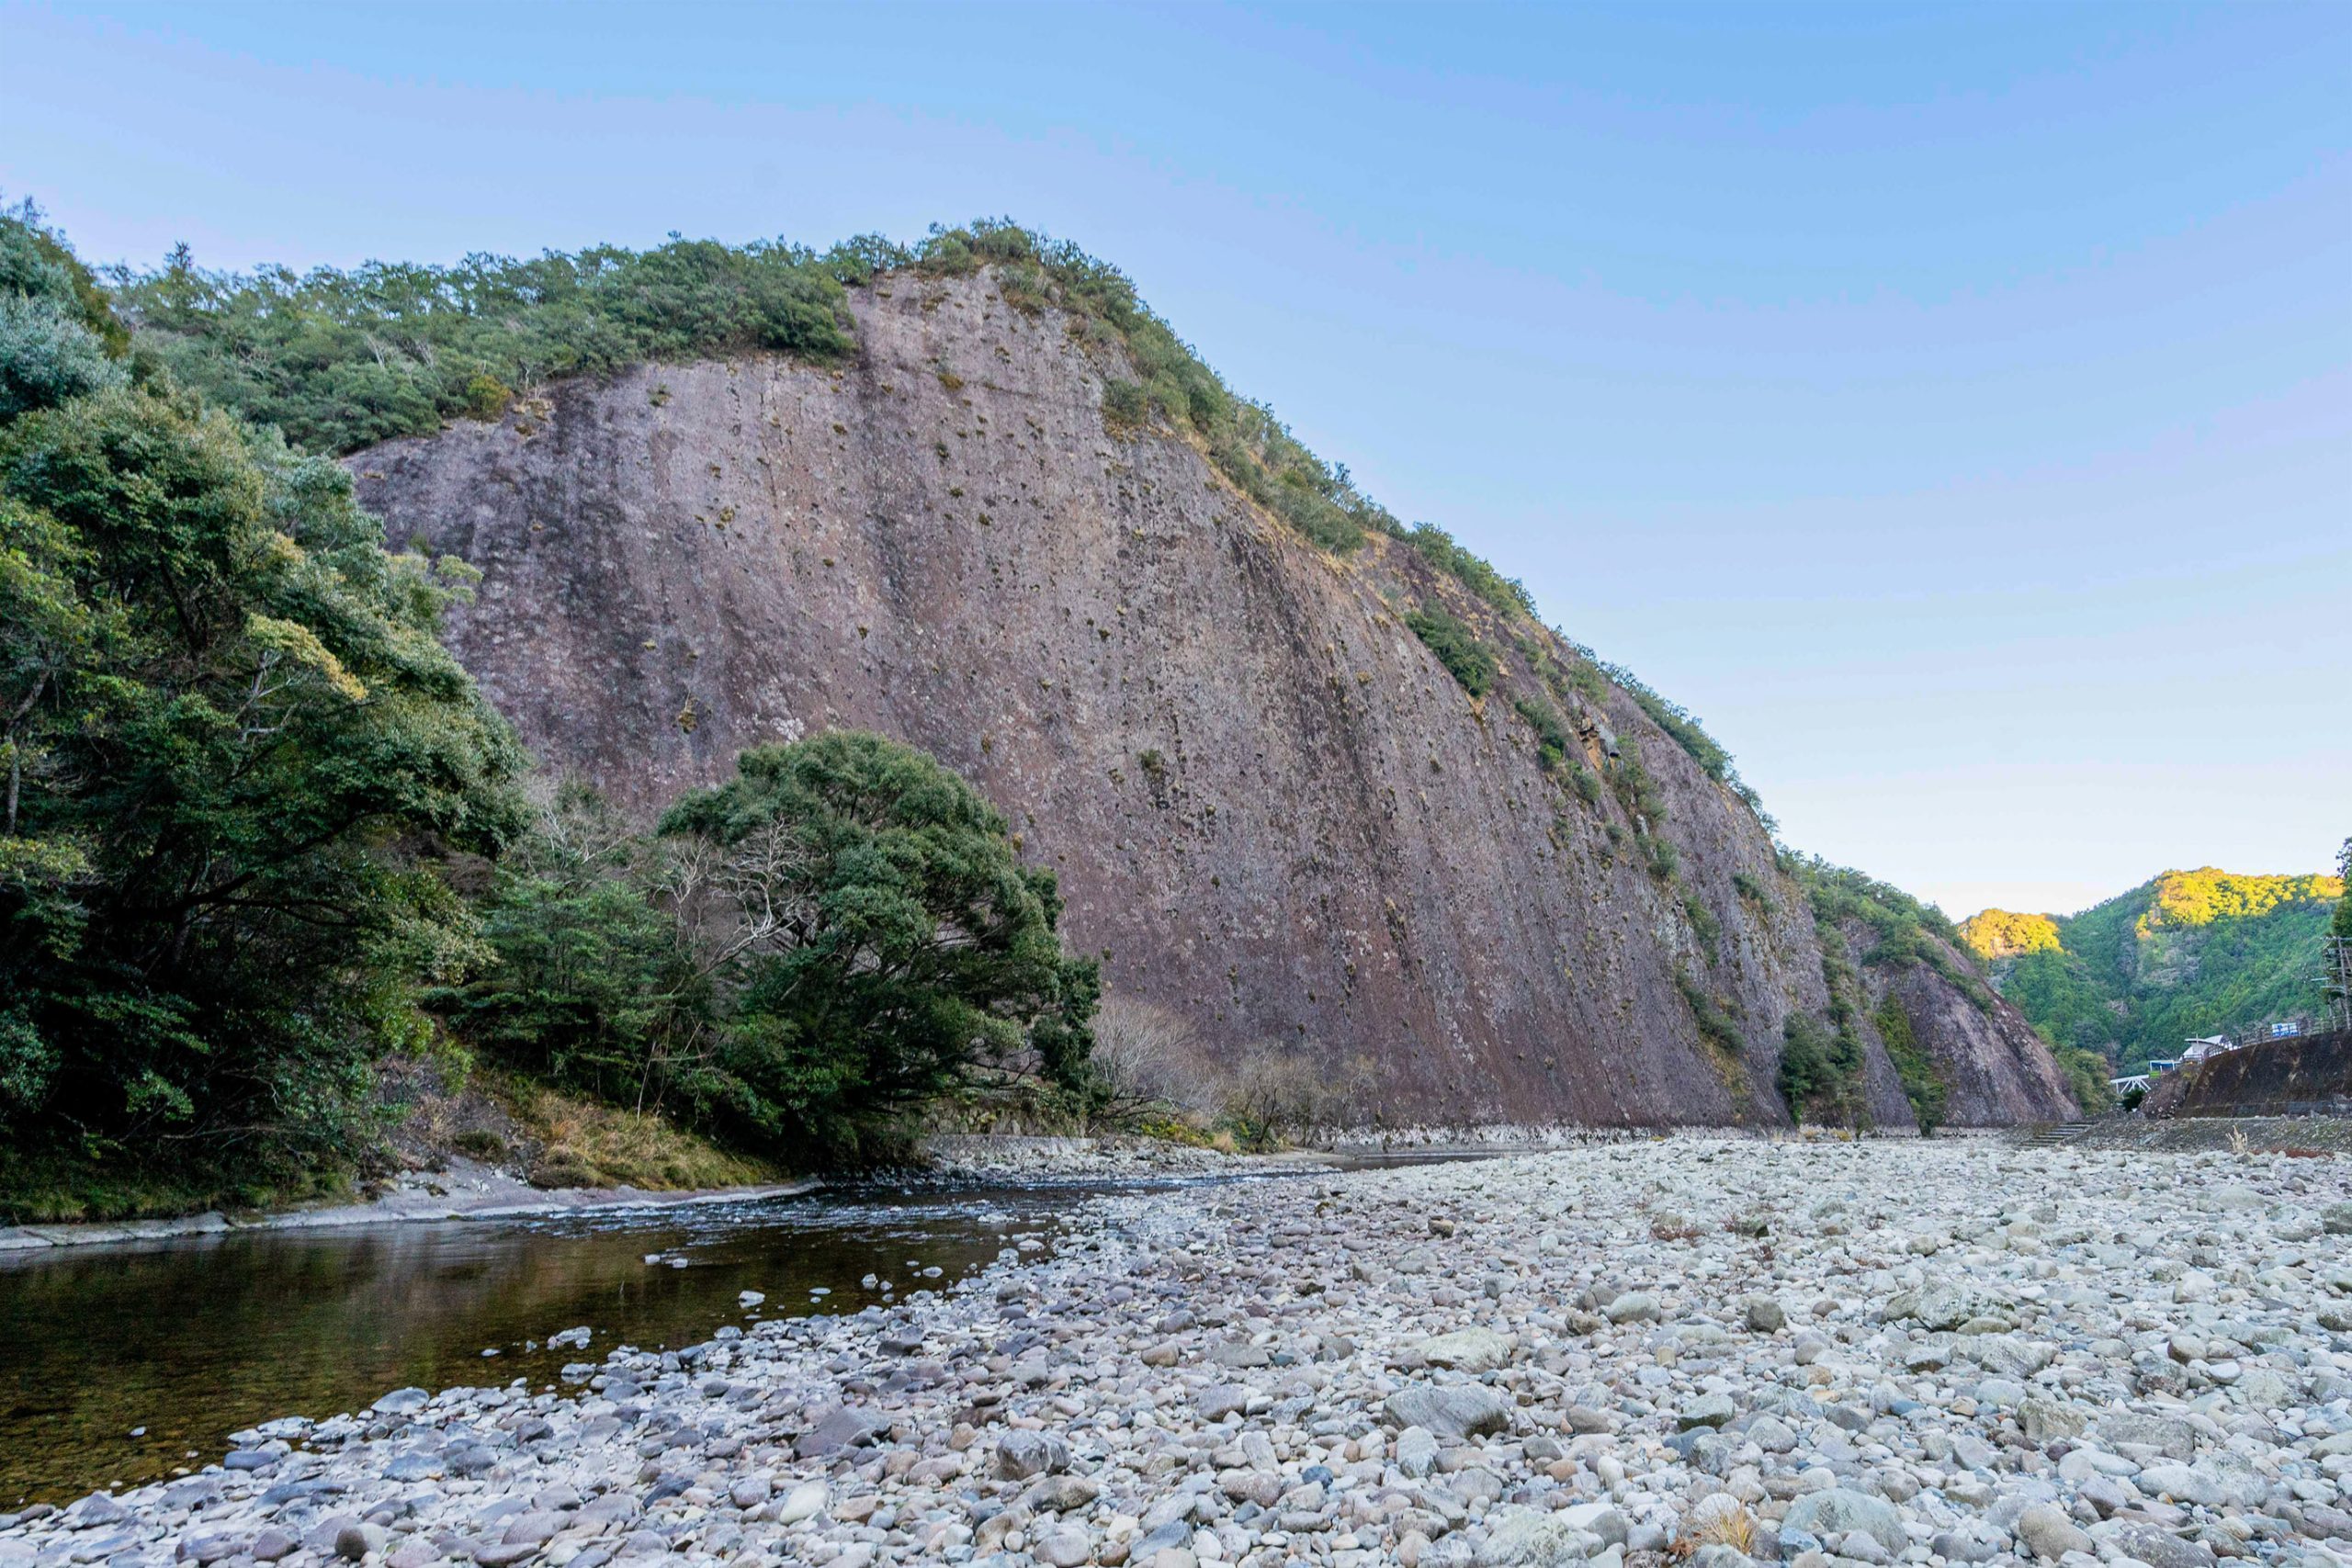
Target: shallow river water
{"x": 121, "y": 1363}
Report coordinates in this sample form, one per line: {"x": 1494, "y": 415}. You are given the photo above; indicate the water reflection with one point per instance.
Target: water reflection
{"x": 195, "y": 1338}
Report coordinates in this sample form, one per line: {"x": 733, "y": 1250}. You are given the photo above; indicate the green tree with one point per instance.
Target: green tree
{"x": 231, "y": 742}
{"x": 879, "y": 937}
{"x": 596, "y": 983}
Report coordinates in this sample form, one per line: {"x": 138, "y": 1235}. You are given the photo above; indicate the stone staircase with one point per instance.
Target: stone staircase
{"x": 2052, "y": 1134}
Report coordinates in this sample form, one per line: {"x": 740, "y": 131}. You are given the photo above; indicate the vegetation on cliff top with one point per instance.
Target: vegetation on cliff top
{"x": 2188, "y": 953}
{"x": 338, "y": 360}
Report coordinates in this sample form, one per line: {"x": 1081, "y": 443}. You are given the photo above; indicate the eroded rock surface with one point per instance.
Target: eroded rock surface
{"x": 1271, "y": 807}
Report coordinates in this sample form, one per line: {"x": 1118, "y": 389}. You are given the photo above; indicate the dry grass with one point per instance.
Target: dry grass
{"x": 580, "y": 1143}
{"x": 1718, "y": 1520}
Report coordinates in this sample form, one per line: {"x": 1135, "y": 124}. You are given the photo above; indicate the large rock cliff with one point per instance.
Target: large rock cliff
{"x": 1271, "y": 807}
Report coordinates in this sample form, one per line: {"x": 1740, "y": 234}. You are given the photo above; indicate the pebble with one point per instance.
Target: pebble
{"x": 1939, "y": 1353}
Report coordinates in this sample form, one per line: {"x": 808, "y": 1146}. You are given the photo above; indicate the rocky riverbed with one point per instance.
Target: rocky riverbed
{"x": 1625, "y": 1356}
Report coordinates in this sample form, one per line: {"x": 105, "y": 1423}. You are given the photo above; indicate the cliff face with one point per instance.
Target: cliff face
{"x": 1994, "y": 1068}
{"x": 1271, "y": 807}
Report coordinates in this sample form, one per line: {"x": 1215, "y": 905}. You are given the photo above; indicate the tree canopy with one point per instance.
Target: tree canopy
{"x": 888, "y": 937}
{"x": 340, "y": 359}
{"x": 232, "y": 739}
{"x": 794, "y": 960}
{"x": 2188, "y": 953}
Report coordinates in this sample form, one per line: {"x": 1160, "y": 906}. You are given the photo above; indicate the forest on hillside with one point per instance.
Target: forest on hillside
{"x": 2184, "y": 955}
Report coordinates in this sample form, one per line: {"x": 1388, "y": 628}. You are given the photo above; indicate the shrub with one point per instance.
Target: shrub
{"x": 1554, "y": 743}
{"x": 1456, "y": 647}
{"x": 1708, "y": 928}
{"x": 1252, "y": 448}
{"x": 1922, "y": 1085}
{"x": 1147, "y": 1056}
{"x": 1805, "y": 1069}
{"x": 1591, "y": 675}
{"x": 1907, "y": 931}
{"x": 1507, "y": 595}
{"x": 1663, "y": 857}
{"x": 1275, "y": 1094}
{"x": 486, "y": 397}
{"x": 1125, "y": 405}
{"x": 1637, "y": 792}
{"x": 1715, "y": 1025}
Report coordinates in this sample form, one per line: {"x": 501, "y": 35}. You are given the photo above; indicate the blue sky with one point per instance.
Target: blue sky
{"x": 1951, "y": 405}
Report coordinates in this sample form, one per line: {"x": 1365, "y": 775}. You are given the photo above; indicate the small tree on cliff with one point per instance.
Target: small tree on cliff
{"x": 882, "y": 937}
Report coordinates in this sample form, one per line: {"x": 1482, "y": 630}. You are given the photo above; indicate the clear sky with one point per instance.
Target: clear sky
{"x": 1951, "y": 405}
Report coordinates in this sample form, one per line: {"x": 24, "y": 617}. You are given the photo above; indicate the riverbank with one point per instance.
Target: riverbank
{"x": 463, "y": 1188}
{"x": 1823, "y": 1352}
{"x": 466, "y": 1189}
{"x": 456, "y": 1187}
{"x": 1112, "y": 1157}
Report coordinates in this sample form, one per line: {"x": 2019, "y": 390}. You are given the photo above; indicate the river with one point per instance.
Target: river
{"x": 124, "y": 1363}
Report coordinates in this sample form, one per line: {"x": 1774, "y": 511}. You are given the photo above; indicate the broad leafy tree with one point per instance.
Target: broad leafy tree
{"x": 796, "y": 959}
{"x": 881, "y": 936}
{"x": 596, "y": 983}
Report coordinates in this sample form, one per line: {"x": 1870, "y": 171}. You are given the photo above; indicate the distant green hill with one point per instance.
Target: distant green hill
{"x": 2191, "y": 952}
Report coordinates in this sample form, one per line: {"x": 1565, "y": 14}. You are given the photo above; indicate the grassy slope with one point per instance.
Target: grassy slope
{"x": 2190, "y": 953}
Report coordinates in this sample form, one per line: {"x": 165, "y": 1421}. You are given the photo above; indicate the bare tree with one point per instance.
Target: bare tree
{"x": 1145, "y": 1055}
{"x": 752, "y": 896}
